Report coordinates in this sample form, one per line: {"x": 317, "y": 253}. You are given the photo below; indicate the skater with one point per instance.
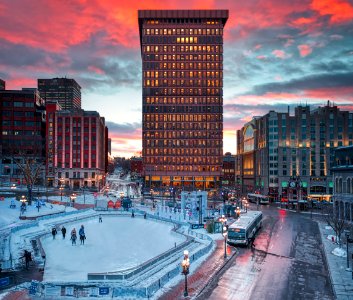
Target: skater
{"x": 54, "y": 232}
{"x": 100, "y": 219}
{"x": 28, "y": 257}
{"x": 63, "y": 231}
{"x": 73, "y": 236}
{"x": 82, "y": 235}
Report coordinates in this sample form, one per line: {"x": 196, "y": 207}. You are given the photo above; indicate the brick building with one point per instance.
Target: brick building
{"x": 22, "y": 131}
{"x": 76, "y": 147}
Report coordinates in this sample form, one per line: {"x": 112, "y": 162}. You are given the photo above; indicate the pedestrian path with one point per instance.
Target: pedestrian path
{"x": 342, "y": 281}
{"x": 202, "y": 276}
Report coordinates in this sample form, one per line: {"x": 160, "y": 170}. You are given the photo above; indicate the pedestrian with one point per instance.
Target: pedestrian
{"x": 100, "y": 219}
{"x": 54, "y": 232}
{"x": 252, "y": 245}
{"x": 73, "y": 236}
{"x": 63, "y": 231}
{"x": 82, "y": 235}
{"x": 132, "y": 214}
{"x": 144, "y": 215}
{"x": 28, "y": 257}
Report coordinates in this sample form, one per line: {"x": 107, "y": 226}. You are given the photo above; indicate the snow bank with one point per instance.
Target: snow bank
{"x": 331, "y": 237}
{"x": 11, "y": 215}
{"x": 339, "y": 252}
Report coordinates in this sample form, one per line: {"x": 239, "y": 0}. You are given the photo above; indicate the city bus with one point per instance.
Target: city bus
{"x": 257, "y": 198}
{"x": 245, "y": 228}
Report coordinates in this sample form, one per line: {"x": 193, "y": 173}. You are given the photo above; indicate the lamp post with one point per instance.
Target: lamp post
{"x": 61, "y": 193}
{"x": 225, "y": 233}
{"x": 73, "y": 198}
{"x": 223, "y": 220}
{"x": 185, "y": 265}
{"x": 246, "y": 205}
{"x": 348, "y": 240}
{"x": 238, "y": 212}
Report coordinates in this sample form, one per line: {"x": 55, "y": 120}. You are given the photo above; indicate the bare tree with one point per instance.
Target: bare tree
{"x": 334, "y": 220}
{"x": 29, "y": 159}
{"x": 31, "y": 170}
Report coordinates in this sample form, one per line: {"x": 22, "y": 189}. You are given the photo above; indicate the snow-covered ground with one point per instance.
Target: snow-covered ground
{"x": 10, "y": 215}
{"x": 118, "y": 243}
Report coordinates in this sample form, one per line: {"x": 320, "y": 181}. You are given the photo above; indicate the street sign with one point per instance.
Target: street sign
{"x": 103, "y": 291}
{"x": 4, "y": 281}
{"x": 196, "y": 226}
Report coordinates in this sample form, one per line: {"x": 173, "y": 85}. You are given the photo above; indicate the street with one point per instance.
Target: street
{"x": 287, "y": 262}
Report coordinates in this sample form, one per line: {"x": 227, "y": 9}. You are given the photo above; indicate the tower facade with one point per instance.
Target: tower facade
{"x": 66, "y": 91}
{"x": 182, "y": 97}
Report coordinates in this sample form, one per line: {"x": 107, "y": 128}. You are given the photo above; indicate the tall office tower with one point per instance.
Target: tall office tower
{"x": 182, "y": 97}
{"x": 64, "y": 90}
{"x": 22, "y": 132}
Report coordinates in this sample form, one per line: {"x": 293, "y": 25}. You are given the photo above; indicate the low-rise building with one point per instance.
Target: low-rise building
{"x": 289, "y": 156}
{"x": 76, "y": 147}
{"x": 342, "y": 172}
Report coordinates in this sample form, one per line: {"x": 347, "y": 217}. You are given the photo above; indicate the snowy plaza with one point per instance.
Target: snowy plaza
{"x": 118, "y": 243}
{"x": 123, "y": 256}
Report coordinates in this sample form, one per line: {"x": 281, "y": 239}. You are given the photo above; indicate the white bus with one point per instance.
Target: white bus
{"x": 257, "y": 198}
{"x": 245, "y": 228}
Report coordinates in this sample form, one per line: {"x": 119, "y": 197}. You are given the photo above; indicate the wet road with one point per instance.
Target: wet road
{"x": 288, "y": 263}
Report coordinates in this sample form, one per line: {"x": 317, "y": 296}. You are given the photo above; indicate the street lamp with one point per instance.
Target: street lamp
{"x": 73, "y": 198}
{"x": 185, "y": 265}
{"x": 238, "y": 212}
{"x": 347, "y": 233}
{"x": 246, "y": 204}
{"x": 223, "y": 220}
{"x": 61, "y": 193}
{"x": 225, "y": 233}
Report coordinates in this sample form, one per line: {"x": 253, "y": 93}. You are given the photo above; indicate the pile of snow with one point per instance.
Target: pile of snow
{"x": 331, "y": 237}
{"x": 10, "y": 215}
{"x": 328, "y": 227}
{"x": 339, "y": 252}
{"x": 118, "y": 243}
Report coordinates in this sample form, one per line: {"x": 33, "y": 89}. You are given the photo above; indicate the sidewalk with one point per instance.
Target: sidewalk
{"x": 342, "y": 282}
{"x": 202, "y": 276}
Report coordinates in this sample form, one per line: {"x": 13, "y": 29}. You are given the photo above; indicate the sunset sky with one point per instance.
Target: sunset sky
{"x": 276, "y": 53}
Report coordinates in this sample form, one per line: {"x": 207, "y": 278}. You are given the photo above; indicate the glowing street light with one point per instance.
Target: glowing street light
{"x": 73, "y": 198}
{"x": 61, "y": 193}
{"x": 225, "y": 233}
{"x": 185, "y": 265}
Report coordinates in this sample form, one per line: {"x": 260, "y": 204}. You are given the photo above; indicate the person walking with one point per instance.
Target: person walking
{"x": 100, "y": 219}
{"x": 73, "y": 236}
{"x": 54, "y": 232}
{"x": 82, "y": 235}
{"x": 28, "y": 257}
{"x": 63, "y": 231}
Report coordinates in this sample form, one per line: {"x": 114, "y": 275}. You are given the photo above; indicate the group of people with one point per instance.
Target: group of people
{"x": 73, "y": 238}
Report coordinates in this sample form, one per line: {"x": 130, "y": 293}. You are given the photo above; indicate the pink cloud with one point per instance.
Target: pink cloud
{"x": 339, "y": 11}
{"x": 280, "y": 54}
{"x": 304, "y": 50}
